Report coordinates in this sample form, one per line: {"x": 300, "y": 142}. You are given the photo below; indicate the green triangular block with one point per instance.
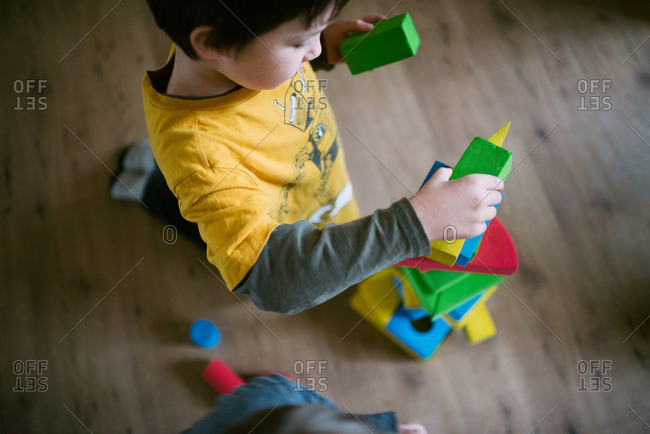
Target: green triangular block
{"x": 441, "y": 291}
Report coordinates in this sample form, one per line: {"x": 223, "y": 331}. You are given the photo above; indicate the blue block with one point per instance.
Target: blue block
{"x": 437, "y": 165}
{"x": 460, "y": 311}
{"x": 204, "y": 334}
{"x": 423, "y": 344}
{"x": 416, "y": 314}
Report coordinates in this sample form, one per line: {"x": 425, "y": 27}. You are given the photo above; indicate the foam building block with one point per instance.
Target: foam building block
{"x": 437, "y": 165}
{"x": 419, "y": 343}
{"x": 377, "y": 301}
{"x": 461, "y": 312}
{"x": 389, "y": 41}
{"x": 459, "y": 316}
{"x": 480, "y": 326}
{"x": 409, "y": 301}
{"x": 471, "y": 245}
{"x": 496, "y": 254}
{"x": 482, "y": 156}
{"x": 446, "y": 252}
{"x": 441, "y": 291}
{"x": 409, "y": 298}
{"x": 223, "y": 379}
{"x": 204, "y": 334}
{"x": 500, "y": 136}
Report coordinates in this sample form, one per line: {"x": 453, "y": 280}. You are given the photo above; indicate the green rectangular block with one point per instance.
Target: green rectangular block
{"x": 389, "y": 41}
{"x": 482, "y": 156}
{"x": 441, "y": 291}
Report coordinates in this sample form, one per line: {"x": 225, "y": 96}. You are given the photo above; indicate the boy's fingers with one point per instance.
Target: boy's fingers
{"x": 374, "y": 18}
{"x": 489, "y": 200}
{"x": 488, "y": 182}
{"x": 477, "y": 229}
{"x": 498, "y": 186}
{"x": 363, "y": 25}
{"x": 494, "y": 183}
{"x": 489, "y": 213}
{"x": 494, "y": 198}
{"x": 356, "y": 26}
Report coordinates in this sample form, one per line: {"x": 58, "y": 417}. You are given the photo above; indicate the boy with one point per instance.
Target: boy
{"x": 249, "y": 148}
{"x": 275, "y": 404}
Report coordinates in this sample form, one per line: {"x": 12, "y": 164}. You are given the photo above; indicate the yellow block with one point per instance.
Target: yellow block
{"x": 480, "y": 327}
{"x": 376, "y": 299}
{"x": 446, "y": 252}
{"x": 377, "y": 303}
{"x": 500, "y": 135}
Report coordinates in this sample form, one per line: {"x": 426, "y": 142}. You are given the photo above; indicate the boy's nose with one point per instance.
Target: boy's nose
{"x": 315, "y": 50}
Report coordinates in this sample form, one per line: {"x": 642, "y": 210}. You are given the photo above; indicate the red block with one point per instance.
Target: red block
{"x": 496, "y": 255}
{"x": 221, "y": 377}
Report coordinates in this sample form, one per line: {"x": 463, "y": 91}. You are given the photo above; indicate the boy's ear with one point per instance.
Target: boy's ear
{"x": 199, "y": 39}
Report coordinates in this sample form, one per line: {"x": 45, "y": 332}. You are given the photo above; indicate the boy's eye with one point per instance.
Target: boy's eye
{"x": 302, "y": 44}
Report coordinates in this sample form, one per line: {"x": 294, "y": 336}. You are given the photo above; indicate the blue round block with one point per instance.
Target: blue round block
{"x": 204, "y": 334}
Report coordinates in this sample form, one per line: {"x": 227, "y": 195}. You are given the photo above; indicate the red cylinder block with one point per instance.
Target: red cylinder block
{"x": 223, "y": 379}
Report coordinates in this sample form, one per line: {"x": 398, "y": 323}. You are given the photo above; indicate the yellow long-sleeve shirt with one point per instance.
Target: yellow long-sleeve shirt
{"x": 243, "y": 163}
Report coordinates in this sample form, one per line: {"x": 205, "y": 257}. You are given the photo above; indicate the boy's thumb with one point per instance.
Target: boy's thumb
{"x": 441, "y": 175}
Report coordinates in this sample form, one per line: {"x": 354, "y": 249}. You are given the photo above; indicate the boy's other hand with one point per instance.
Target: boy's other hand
{"x": 412, "y": 428}
{"x": 336, "y": 32}
{"x": 464, "y": 204}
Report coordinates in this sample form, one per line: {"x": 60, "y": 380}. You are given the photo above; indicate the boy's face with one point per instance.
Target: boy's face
{"x": 274, "y": 57}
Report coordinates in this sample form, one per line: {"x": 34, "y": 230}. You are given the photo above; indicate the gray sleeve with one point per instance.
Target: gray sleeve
{"x": 302, "y": 266}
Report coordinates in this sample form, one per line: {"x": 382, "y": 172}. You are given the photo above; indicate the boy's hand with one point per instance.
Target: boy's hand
{"x": 464, "y": 204}
{"x": 336, "y": 32}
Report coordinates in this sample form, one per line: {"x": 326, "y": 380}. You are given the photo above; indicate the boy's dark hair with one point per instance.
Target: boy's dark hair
{"x": 234, "y": 22}
{"x": 304, "y": 419}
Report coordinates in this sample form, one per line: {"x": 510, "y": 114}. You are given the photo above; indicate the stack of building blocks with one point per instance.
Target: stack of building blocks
{"x": 495, "y": 254}
{"x": 441, "y": 291}
{"x": 377, "y": 301}
{"x": 389, "y": 41}
{"x": 421, "y": 300}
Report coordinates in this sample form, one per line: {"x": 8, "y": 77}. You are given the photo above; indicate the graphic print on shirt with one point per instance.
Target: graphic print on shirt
{"x": 303, "y": 107}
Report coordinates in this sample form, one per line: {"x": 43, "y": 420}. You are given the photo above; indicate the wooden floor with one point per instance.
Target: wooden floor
{"x": 91, "y": 288}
